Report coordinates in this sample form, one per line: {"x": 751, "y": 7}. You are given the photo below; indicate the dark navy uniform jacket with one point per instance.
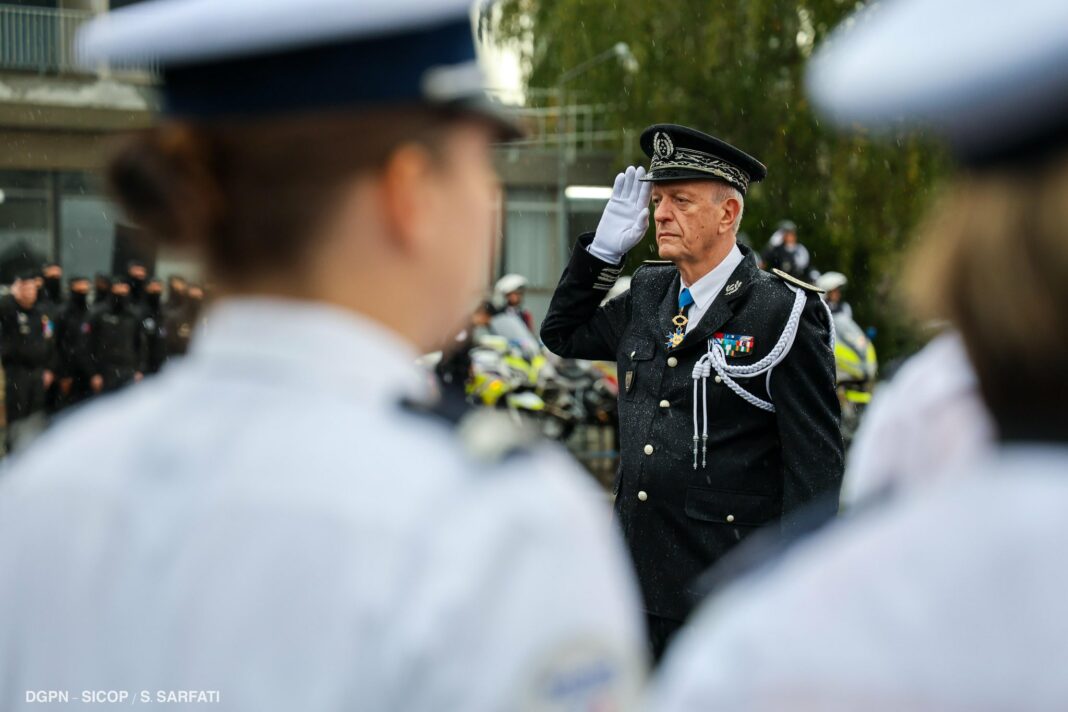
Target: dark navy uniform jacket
{"x": 678, "y": 521}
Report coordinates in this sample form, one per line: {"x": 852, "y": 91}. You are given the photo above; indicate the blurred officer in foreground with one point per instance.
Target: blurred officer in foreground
{"x": 282, "y": 516}
{"x": 728, "y": 411}
{"x": 953, "y": 598}
{"x": 26, "y": 333}
{"x": 74, "y": 344}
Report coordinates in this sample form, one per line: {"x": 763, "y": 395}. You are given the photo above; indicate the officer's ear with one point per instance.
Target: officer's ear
{"x": 732, "y": 208}
{"x": 410, "y": 196}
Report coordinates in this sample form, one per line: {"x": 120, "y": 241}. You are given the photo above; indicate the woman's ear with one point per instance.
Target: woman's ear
{"x": 410, "y": 197}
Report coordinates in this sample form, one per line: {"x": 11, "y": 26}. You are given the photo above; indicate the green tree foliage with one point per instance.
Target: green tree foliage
{"x": 735, "y": 68}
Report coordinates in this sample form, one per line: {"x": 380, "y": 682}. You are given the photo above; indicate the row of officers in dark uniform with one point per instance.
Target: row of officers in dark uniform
{"x": 60, "y": 348}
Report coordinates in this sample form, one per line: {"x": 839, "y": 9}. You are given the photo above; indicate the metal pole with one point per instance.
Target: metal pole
{"x": 561, "y": 174}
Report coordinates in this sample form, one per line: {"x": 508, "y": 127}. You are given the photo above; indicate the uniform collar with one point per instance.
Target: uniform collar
{"x": 720, "y": 311}
{"x": 311, "y": 344}
{"x": 705, "y": 290}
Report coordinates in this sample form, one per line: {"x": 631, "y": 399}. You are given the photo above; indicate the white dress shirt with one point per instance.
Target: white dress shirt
{"x": 948, "y": 599}
{"x": 705, "y": 289}
{"x": 265, "y": 521}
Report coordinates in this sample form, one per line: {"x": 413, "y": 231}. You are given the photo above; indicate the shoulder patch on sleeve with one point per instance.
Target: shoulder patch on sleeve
{"x": 586, "y": 675}
{"x": 796, "y": 282}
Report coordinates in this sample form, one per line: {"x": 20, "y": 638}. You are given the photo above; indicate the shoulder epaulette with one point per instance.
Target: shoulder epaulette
{"x": 796, "y": 282}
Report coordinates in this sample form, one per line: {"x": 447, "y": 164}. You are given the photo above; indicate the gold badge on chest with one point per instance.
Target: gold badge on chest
{"x": 675, "y": 337}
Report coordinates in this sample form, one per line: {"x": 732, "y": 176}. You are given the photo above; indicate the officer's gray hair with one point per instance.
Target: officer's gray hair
{"x": 725, "y": 191}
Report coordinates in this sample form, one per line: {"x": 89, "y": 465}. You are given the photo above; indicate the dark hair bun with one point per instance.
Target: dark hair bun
{"x": 163, "y": 180}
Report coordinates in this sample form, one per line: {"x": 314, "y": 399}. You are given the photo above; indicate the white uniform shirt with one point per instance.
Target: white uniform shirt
{"x": 949, "y": 600}
{"x": 705, "y": 290}
{"x": 928, "y": 422}
{"x": 265, "y": 521}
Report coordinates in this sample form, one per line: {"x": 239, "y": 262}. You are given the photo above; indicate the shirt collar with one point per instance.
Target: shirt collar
{"x": 705, "y": 290}
{"x": 311, "y": 344}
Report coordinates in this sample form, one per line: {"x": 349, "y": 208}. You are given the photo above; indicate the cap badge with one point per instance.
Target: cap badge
{"x": 663, "y": 147}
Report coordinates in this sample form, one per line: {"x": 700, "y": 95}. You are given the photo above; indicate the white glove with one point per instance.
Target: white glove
{"x": 625, "y": 218}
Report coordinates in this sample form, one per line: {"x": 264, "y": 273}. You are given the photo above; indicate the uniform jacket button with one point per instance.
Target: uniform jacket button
{"x": 648, "y": 449}
{"x": 719, "y": 380}
{"x": 664, "y": 404}
{"x": 642, "y": 496}
{"x": 672, "y": 362}
{"x": 730, "y": 518}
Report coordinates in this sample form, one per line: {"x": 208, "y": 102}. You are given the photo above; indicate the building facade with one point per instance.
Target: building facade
{"x": 56, "y": 125}
{"x": 57, "y": 122}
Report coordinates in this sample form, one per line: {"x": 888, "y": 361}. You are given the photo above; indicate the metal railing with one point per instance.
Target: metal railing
{"x": 41, "y": 40}
{"x": 574, "y": 128}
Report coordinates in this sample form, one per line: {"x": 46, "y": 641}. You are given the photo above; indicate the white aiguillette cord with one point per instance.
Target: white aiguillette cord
{"x": 716, "y": 358}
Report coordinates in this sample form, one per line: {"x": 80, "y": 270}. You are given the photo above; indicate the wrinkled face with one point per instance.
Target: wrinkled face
{"x": 464, "y": 196}
{"x": 687, "y": 215}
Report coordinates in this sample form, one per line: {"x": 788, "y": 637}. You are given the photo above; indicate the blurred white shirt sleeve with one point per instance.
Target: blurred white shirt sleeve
{"x": 927, "y": 422}
{"x": 544, "y": 618}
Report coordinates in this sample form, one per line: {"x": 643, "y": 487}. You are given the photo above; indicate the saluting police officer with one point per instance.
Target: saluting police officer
{"x": 728, "y": 415}
{"x": 318, "y": 533}
{"x": 951, "y": 597}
